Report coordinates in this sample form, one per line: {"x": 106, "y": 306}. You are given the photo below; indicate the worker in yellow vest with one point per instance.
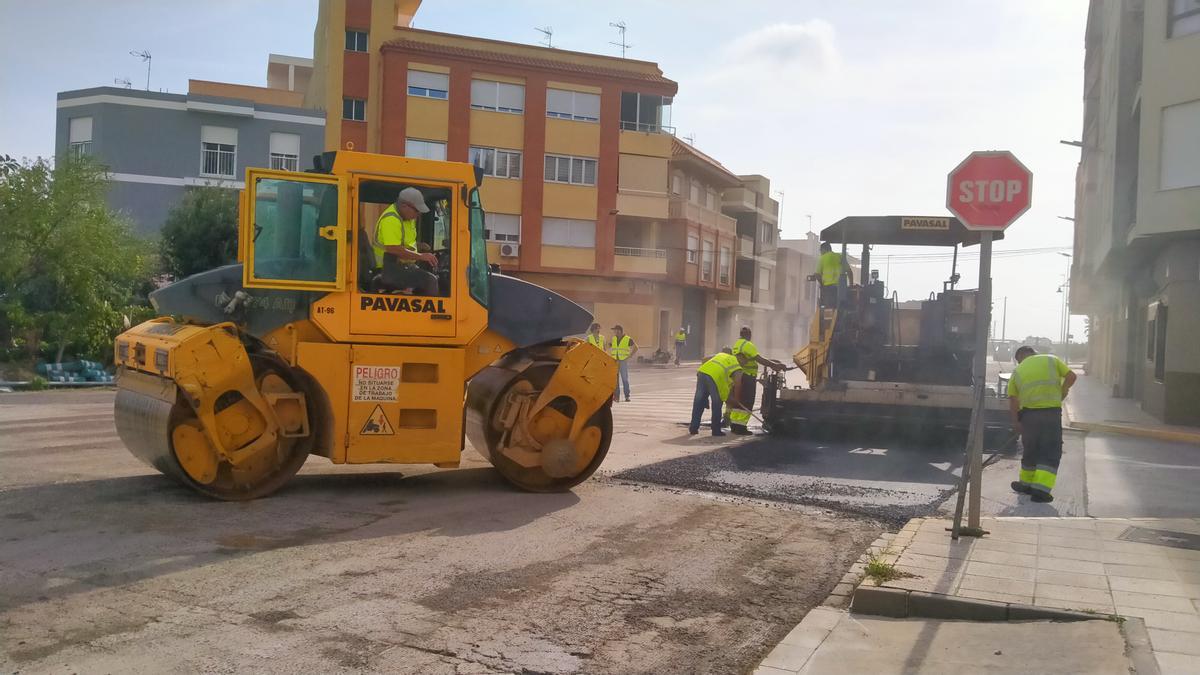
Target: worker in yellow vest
{"x": 830, "y": 267}
{"x": 714, "y": 382}
{"x": 594, "y": 337}
{"x": 739, "y": 414}
{"x": 680, "y": 339}
{"x": 396, "y": 249}
{"x": 622, "y": 349}
{"x": 1036, "y": 391}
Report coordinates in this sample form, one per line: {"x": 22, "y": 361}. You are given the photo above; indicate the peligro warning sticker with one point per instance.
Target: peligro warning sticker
{"x": 376, "y": 383}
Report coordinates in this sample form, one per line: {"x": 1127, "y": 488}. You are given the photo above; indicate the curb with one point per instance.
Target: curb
{"x": 898, "y": 603}
{"x": 1170, "y": 435}
{"x": 1138, "y": 432}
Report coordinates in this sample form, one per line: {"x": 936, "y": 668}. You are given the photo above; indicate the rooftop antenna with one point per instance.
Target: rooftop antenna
{"x": 123, "y": 81}
{"x": 145, "y": 56}
{"x": 620, "y": 26}
{"x": 690, "y": 139}
{"x": 547, "y": 34}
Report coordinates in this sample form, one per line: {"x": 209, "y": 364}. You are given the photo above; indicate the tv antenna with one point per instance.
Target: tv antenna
{"x": 547, "y": 34}
{"x": 145, "y": 56}
{"x": 123, "y": 81}
{"x": 690, "y": 139}
{"x": 620, "y": 26}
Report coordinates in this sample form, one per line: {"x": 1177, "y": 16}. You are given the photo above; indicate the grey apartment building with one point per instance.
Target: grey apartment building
{"x": 157, "y": 145}
{"x": 1136, "y": 264}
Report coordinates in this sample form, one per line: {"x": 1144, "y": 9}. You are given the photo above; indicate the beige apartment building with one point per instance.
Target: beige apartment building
{"x": 1136, "y": 266}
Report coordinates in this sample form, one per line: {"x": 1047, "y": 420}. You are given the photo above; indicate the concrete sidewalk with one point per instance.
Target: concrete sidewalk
{"x": 1091, "y": 407}
{"x": 1131, "y": 567}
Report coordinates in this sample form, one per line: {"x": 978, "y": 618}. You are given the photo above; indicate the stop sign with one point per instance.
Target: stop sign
{"x": 989, "y": 190}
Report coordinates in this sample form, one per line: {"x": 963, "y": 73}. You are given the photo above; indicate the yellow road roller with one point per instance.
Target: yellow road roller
{"x": 321, "y": 340}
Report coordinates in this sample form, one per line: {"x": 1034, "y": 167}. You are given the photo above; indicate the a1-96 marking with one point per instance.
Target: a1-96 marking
{"x": 325, "y": 310}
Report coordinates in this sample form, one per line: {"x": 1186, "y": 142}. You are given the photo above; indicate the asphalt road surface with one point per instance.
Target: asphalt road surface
{"x": 106, "y": 566}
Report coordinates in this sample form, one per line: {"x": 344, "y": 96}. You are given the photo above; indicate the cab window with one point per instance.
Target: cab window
{"x": 383, "y": 228}
{"x": 294, "y": 234}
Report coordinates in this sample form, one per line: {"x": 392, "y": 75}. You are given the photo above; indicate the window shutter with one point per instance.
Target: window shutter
{"x": 285, "y": 144}
{"x": 558, "y": 101}
{"x": 483, "y": 93}
{"x": 587, "y": 105}
{"x": 81, "y": 130}
{"x": 223, "y": 135}
{"x": 420, "y": 78}
{"x": 511, "y": 96}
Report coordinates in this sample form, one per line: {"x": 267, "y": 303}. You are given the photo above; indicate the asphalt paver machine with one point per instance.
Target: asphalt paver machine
{"x": 875, "y": 364}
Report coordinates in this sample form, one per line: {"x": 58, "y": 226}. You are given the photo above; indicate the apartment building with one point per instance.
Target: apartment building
{"x": 752, "y": 301}
{"x": 1136, "y": 265}
{"x": 795, "y": 294}
{"x": 577, "y": 148}
{"x": 157, "y": 145}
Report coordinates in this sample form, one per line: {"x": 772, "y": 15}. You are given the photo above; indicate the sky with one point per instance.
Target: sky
{"x": 850, "y": 107}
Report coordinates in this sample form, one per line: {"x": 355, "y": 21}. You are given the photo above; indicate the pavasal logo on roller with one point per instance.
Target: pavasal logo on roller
{"x": 389, "y": 303}
{"x": 918, "y": 223}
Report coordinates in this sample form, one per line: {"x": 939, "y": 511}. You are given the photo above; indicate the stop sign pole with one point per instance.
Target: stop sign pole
{"x": 987, "y": 191}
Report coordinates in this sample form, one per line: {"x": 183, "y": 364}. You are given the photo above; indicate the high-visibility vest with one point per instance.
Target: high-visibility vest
{"x": 681, "y": 336}
{"x": 620, "y": 347}
{"x": 1037, "y": 382}
{"x": 596, "y": 340}
{"x": 721, "y": 368}
{"x": 831, "y": 268}
{"x": 744, "y": 346}
{"x": 387, "y": 234}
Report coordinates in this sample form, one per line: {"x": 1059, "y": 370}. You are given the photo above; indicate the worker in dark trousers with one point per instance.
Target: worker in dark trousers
{"x": 1036, "y": 391}
{"x": 743, "y": 402}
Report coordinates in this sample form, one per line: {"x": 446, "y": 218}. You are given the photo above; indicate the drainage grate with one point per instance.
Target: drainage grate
{"x": 1145, "y": 535}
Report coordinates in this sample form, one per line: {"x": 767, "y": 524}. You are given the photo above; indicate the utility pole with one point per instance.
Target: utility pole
{"x": 620, "y": 26}
{"x": 145, "y": 56}
{"x": 547, "y": 35}
{"x": 1004, "y": 321}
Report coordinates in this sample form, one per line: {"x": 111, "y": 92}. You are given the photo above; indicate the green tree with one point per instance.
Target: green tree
{"x": 200, "y": 232}
{"x": 69, "y": 265}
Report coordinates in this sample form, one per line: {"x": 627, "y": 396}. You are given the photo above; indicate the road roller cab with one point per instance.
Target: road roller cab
{"x": 314, "y": 344}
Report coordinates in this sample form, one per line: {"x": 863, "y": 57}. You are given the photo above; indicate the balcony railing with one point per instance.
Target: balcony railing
{"x": 746, "y": 246}
{"x": 640, "y": 252}
{"x": 647, "y": 128}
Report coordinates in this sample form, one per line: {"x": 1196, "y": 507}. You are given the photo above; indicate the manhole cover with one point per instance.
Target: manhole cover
{"x": 1145, "y": 535}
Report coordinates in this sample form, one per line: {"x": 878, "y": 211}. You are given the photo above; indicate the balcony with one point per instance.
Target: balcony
{"x": 682, "y": 208}
{"x": 639, "y": 260}
{"x": 739, "y": 199}
{"x": 746, "y": 246}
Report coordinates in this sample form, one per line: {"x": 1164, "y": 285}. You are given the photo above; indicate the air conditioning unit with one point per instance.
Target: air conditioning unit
{"x": 509, "y": 250}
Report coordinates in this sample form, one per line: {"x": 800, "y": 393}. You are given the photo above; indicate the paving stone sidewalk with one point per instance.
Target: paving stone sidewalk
{"x": 1092, "y": 565}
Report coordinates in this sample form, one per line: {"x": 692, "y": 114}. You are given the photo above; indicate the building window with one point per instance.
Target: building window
{"x": 80, "y": 136}
{"x": 694, "y": 194}
{"x": 218, "y": 151}
{"x": 572, "y": 105}
{"x": 428, "y": 85}
{"x": 768, "y": 233}
{"x": 645, "y": 112}
{"x": 676, "y": 184}
{"x": 503, "y": 227}
{"x": 693, "y": 248}
{"x": 1183, "y": 18}
{"x": 708, "y": 199}
{"x": 706, "y": 262}
{"x": 425, "y": 149}
{"x": 573, "y": 170}
{"x": 1179, "y": 163}
{"x": 726, "y": 262}
{"x": 764, "y": 278}
{"x": 285, "y": 151}
{"x": 356, "y": 40}
{"x": 498, "y": 96}
{"x": 497, "y": 162}
{"x": 569, "y": 232}
{"x": 354, "y": 109}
